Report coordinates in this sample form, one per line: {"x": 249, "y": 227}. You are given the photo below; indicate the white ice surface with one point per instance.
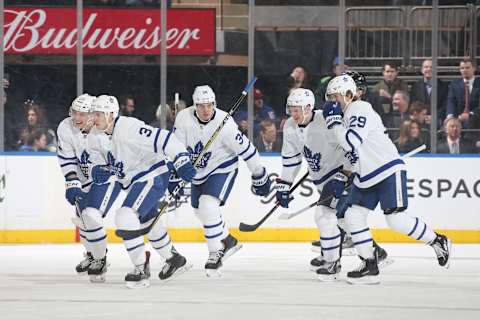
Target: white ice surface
{"x": 267, "y": 281}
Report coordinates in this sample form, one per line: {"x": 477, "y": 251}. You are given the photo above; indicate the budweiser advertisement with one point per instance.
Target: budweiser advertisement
{"x": 108, "y": 31}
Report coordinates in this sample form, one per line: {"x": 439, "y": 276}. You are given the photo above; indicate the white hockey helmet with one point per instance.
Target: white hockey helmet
{"x": 300, "y": 97}
{"x": 203, "y": 94}
{"x": 106, "y": 104}
{"x": 342, "y": 85}
{"x": 82, "y": 103}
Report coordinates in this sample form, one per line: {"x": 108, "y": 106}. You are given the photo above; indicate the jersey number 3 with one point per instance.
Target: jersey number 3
{"x": 357, "y": 122}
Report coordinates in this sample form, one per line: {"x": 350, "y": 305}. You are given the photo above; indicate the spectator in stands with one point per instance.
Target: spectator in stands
{"x": 298, "y": 78}
{"x": 262, "y": 110}
{"x": 267, "y": 140}
{"x": 418, "y": 112}
{"x": 241, "y": 118}
{"x": 400, "y": 108}
{"x": 386, "y": 87}
{"x": 337, "y": 69}
{"x": 37, "y": 141}
{"x": 453, "y": 142}
{"x": 127, "y": 105}
{"x": 170, "y": 114}
{"x": 409, "y": 137}
{"x": 35, "y": 120}
{"x": 422, "y": 90}
{"x": 463, "y": 99}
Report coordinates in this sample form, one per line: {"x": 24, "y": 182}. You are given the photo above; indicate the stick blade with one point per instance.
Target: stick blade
{"x": 285, "y": 216}
{"x": 247, "y": 227}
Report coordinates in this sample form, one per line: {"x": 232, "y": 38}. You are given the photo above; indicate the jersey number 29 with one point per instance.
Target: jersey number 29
{"x": 357, "y": 122}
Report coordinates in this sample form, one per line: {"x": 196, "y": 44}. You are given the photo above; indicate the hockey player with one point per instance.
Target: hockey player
{"x": 217, "y": 170}
{"x": 79, "y": 149}
{"x": 380, "y": 177}
{"x": 138, "y": 158}
{"x": 305, "y": 135}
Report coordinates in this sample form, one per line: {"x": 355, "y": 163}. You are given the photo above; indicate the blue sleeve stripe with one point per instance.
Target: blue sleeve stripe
{"x": 68, "y": 164}
{"x": 284, "y": 157}
{"x": 246, "y": 149}
{"x": 166, "y": 140}
{"x": 293, "y": 164}
{"x": 66, "y": 158}
{"x": 250, "y": 156}
{"x": 155, "y": 141}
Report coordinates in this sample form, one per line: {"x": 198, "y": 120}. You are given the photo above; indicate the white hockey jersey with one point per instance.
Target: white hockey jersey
{"x": 78, "y": 152}
{"x": 317, "y": 145}
{"x": 139, "y": 151}
{"x": 364, "y": 135}
{"x": 222, "y": 156}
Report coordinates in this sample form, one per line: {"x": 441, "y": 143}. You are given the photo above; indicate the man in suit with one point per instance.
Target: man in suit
{"x": 453, "y": 142}
{"x": 267, "y": 140}
{"x": 463, "y": 99}
{"x": 422, "y": 90}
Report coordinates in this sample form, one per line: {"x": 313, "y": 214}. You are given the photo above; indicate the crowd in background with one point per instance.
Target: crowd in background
{"x": 404, "y": 108}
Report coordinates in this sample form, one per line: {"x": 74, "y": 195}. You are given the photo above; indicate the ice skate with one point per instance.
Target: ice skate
{"x": 139, "y": 277}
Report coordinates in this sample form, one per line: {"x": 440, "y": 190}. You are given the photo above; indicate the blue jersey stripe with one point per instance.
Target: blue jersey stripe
{"x": 166, "y": 140}
{"x": 246, "y": 149}
{"x": 381, "y": 169}
{"x": 221, "y": 166}
{"x": 327, "y": 176}
{"x": 68, "y": 164}
{"x": 250, "y": 156}
{"x": 155, "y": 141}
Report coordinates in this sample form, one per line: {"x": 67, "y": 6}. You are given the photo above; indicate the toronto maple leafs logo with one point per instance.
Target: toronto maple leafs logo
{"x": 313, "y": 159}
{"x": 115, "y": 167}
{"x": 194, "y": 153}
{"x": 84, "y": 163}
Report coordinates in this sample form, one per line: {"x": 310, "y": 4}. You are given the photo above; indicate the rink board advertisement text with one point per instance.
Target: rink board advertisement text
{"x": 45, "y": 30}
{"x": 444, "y": 192}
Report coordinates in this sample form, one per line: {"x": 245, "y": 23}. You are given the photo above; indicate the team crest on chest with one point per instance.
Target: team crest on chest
{"x": 84, "y": 163}
{"x": 115, "y": 167}
{"x": 313, "y": 159}
{"x": 194, "y": 153}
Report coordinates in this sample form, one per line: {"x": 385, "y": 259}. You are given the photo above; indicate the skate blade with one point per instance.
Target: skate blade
{"x": 385, "y": 263}
{"x": 138, "y": 285}
{"x": 328, "y": 278}
{"x": 178, "y": 272}
{"x": 349, "y": 252}
{"x": 368, "y": 280}
{"x": 232, "y": 251}
{"x": 97, "y": 278}
{"x": 213, "y": 273}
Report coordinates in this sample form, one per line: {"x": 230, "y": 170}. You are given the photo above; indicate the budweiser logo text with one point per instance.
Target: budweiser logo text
{"x": 106, "y": 31}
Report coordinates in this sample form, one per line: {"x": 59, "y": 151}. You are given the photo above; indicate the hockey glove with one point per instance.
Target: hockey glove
{"x": 332, "y": 112}
{"x": 73, "y": 191}
{"x": 184, "y": 167}
{"x": 173, "y": 182}
{"x": 101, "y": 174}
{"x": 261, "y": 184}
{"x": 333, "y": 190}
{"x": 283, "y": 192}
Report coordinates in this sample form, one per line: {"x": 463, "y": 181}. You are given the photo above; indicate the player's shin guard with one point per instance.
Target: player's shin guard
{"x": 413, "y": 227}
{"x": 330, "y": 233}
{"x": 356, "y": 219}
{"x": 126, "y": 218}
{"x": 95, "y": 232}
{"x": 210, "y": 214}
{"x": 160, "y": 240}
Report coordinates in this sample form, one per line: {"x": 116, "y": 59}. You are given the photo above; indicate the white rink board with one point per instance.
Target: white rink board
{"x": 446, "y": 194}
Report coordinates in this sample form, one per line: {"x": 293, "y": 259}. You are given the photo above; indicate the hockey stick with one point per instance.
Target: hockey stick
{"x": 252, "y": 227}
{"x": 288, "y": 216}
{"x": 164, "y": 205}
